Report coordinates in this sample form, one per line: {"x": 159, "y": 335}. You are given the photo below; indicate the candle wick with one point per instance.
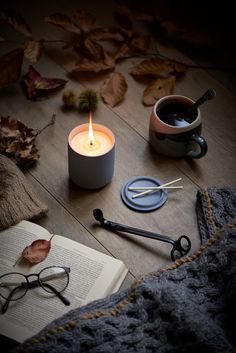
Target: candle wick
{"x": 91, "y": 143}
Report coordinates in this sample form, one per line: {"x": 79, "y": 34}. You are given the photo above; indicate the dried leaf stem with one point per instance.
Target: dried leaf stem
{"x": 190, "y": 66}
{"x": 51, "y": 122}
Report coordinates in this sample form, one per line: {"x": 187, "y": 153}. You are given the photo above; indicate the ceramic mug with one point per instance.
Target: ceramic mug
{"x": 175, "y": 132}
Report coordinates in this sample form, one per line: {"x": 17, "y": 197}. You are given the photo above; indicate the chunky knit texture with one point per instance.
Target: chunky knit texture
{"x": 189, "y": 306}
{"x": 17, "y": 199}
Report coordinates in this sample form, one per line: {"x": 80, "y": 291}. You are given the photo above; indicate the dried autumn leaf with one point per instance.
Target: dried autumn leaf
{"x": 157, "y": 89}
{"x": 18, "y": 140}
{"x": 108, "y": 60}
{"x": 154, "y": 67}
{"x": 123, "y": 51}
{"x": 124, "y": 10}
{"x": 38, "y": 86}
{"x": 37, "y": 251}
{"x": 178, "y": 68}
{"x": 16, "y": 21}
{"x": 34, "y": 50}
{"x": 95, "y": 50}
{"x": 140, "y": 42}
{"x": 113, "y": 89}
{"x": 106, "y": 33}
{"x": 10, "y": 66}
{"x": 62, "y": 21}
{"x": 124, "y": 23}
{"x": 84, "y": 19}
{"x": 88, "y": 65}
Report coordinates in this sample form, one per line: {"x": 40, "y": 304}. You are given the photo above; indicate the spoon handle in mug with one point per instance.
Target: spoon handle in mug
{"x": 209, "y": 94}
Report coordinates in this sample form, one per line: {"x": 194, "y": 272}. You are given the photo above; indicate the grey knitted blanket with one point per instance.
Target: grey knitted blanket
{"x": 188, "y": 306}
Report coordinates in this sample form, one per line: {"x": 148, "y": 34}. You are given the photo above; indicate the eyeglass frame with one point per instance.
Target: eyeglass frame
{"x": 37, "y": 282}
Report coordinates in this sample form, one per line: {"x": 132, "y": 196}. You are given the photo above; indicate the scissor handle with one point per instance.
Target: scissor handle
{"x": 181, "y": 247}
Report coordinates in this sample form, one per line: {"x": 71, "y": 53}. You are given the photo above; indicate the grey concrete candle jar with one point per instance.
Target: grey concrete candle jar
{"x": 91, "y": 166}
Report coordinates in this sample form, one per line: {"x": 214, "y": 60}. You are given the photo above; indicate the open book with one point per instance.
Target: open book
{"x": 93, "y": 275}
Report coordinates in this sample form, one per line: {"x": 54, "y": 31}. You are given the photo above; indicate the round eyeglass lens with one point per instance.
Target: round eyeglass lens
{"x": 13, "y": 286}
{"x": 54, "y": 278}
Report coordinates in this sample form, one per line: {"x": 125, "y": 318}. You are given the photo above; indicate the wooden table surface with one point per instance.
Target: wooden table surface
{"x": 71, "y": 208}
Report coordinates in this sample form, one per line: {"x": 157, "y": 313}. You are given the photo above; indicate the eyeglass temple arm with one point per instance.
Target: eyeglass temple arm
{"x": 35, "y": 283}
{"x": 5, "y": 305}
{"x": 60, "y": 296}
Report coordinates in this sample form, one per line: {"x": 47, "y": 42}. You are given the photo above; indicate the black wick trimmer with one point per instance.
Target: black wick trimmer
{"x": 181, "y": 246}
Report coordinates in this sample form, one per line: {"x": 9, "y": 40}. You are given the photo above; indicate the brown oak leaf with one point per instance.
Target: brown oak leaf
{"x": 38, "y": 86}
{"x": 157, "y": 89}
{"x": 34, "y": 50}
{"x": 113, "y": 89}
{"x": 15, "y": 20}
{"x": 18, "y": 140}
{"x": 10, "y": 66}
{"x": 62, "y": 21}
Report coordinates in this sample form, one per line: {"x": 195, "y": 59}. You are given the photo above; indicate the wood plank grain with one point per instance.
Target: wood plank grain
{"x": 218, "y": 116}
{"x": 129, "y": 122}
{"x": 133, "y": 157}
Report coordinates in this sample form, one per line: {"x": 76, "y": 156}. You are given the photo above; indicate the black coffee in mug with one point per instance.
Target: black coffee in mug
{"x": 176, "y": 114}
{"x": 175, "y": 128}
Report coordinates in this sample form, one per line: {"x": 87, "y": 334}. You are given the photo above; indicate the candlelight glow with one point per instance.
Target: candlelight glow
{"x": 90, "y": 134}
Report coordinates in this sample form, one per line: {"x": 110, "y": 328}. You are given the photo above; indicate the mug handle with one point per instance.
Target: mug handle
{"x": 202, "y": 144}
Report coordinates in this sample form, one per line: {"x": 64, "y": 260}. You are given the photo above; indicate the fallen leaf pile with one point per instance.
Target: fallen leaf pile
{"x": 90, "y": 45}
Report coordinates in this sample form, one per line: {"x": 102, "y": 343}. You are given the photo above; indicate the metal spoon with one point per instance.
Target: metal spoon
{"x": 184, "y": 120}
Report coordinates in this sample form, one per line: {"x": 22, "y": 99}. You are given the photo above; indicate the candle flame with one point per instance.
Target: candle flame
{"x": 90, "y": 134}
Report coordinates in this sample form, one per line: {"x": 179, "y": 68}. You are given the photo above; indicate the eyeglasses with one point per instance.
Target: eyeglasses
{"x": 53, "y": 279}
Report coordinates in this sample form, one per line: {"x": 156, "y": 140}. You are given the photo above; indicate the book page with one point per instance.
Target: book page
{"x": 93, "y": 275}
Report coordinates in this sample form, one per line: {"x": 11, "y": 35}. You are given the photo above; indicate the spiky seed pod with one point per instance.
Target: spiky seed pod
{"x": 69, "y": 98}
{"x": 88, "y": 100}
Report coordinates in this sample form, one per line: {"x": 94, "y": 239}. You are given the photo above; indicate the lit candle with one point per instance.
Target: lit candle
{"x": 94, "y": 141}
{"x": 91, "y": 155}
